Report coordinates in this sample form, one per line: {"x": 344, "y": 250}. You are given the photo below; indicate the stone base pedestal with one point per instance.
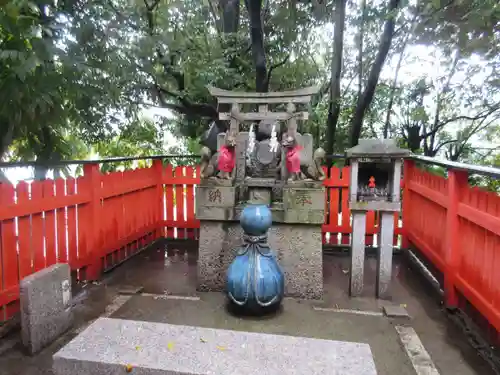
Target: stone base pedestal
{"x": 298, "y": 247}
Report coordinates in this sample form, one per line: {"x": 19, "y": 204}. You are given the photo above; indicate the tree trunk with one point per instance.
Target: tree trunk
{"x": 361, "y": 36}
{"x": 365, "y": 100}
{"x": 3, "y": 178}
{"x": 336, "y": 70}
{"x": 410, "y": 32}
{"x": 40, "y": 172}
{"x": 230, "y": 24}
{"x": 230, "y": 15}
{"x": 413, "y": 138}
{"x": 6, "y": 137}
{"x": 258, "y": 52}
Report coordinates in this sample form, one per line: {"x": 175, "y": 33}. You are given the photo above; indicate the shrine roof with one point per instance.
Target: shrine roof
{"x": 377, "y": 148}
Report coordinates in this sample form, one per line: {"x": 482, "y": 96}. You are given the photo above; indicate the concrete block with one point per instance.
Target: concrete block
{"x": 109, "y": 345}
{"x": 45, "y": 298}
{"x": 395, "y": 311}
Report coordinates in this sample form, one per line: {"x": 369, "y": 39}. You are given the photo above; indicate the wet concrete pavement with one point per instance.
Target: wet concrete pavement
{"x": 175, "y": 275}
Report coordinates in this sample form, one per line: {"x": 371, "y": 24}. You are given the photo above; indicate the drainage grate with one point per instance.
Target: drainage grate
{"x": 476, "y": 340}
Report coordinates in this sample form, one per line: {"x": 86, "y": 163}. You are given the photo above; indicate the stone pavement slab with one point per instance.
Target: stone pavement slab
{"x": 298, "y": 318}
{"x": 110, "y": 345}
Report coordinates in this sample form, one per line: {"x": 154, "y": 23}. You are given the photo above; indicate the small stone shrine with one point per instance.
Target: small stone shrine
{"x": 266, "y": 162}
{"x": 374, "y": 185}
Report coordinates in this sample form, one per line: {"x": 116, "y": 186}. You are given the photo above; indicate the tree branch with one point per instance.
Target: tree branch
{"x": 186, "y": 106}
{"x": 272, "y": 67}
{"x": 321, "y": 94}
{"x": 120, "y": 15}
{"x": 217, "y": 21}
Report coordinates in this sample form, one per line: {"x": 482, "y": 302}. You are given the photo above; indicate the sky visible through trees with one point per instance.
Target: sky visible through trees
{"x": 109, "y": 78}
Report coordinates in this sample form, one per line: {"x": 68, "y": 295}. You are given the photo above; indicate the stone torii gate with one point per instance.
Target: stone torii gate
{"x": 263, "y": 100}
{"x": 263, "y": 176}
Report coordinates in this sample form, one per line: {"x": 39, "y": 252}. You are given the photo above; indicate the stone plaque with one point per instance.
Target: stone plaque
{"x": 304, "y": 199}
{"x": 215, "y": 196}
{"x": 304, "y": 205}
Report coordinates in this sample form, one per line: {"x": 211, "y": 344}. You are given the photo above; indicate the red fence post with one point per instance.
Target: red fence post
{"x": 457, "y": 180}
{"x": 406, "y": 207}
{"x": 158, "y": 168}
{"x": 92, "y": 178}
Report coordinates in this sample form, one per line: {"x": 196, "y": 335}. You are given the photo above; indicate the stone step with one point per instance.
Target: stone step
{"x": 115, "y": 346}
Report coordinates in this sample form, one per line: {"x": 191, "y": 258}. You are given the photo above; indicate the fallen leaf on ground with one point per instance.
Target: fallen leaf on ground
{"x": 403, "y": 305}
{"x": 170, "y": 345}
{"x": 128, "y": 368}
{"x": 202, "y": 339}
{"x": 137, "y": 348}
{"x": 221, "y": 348}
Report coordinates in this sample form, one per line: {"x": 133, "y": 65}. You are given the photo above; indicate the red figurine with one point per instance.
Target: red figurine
{"x": 371, "y": 182}
{"x": 293, "y": 159}
{"x": 227, "y": 157}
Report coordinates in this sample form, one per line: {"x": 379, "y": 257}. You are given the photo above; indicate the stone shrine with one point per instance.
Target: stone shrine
{"x": 374, "y": 185}
{"x": 268, "y": 162}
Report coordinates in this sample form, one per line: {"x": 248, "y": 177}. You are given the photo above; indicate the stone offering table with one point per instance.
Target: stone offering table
{"x": 260, "y": 177}
{"x": 114, "y": 346}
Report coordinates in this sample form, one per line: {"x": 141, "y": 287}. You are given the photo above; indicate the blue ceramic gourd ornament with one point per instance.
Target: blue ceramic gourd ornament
{"x": 255, "y": 281}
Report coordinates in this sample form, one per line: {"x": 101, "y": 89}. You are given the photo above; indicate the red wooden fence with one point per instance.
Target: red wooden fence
{"x": 456, "y": 227}
{"x": 99, "y": 220}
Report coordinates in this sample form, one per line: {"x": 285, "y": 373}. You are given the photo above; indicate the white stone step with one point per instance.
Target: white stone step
{"x": 115, "y": 346}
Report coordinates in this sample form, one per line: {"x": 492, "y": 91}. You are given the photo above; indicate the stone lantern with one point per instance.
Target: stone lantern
{"x": 374, "y": 185}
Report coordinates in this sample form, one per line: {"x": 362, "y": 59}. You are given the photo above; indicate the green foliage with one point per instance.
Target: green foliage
{"x": 75, "y": 75}
{"x": 489, "y": 183}
{"x": 49, "y": 95}
{"x": 138, "y": 138}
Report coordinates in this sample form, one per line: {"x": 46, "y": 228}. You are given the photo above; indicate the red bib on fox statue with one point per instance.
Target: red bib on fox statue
{"x": 293, "y": 159}
{"x": 227, "y": 156}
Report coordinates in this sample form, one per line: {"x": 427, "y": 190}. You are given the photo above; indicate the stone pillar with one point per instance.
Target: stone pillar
{"x": 357, "y": 253}
{"x": 384, "y": 256}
